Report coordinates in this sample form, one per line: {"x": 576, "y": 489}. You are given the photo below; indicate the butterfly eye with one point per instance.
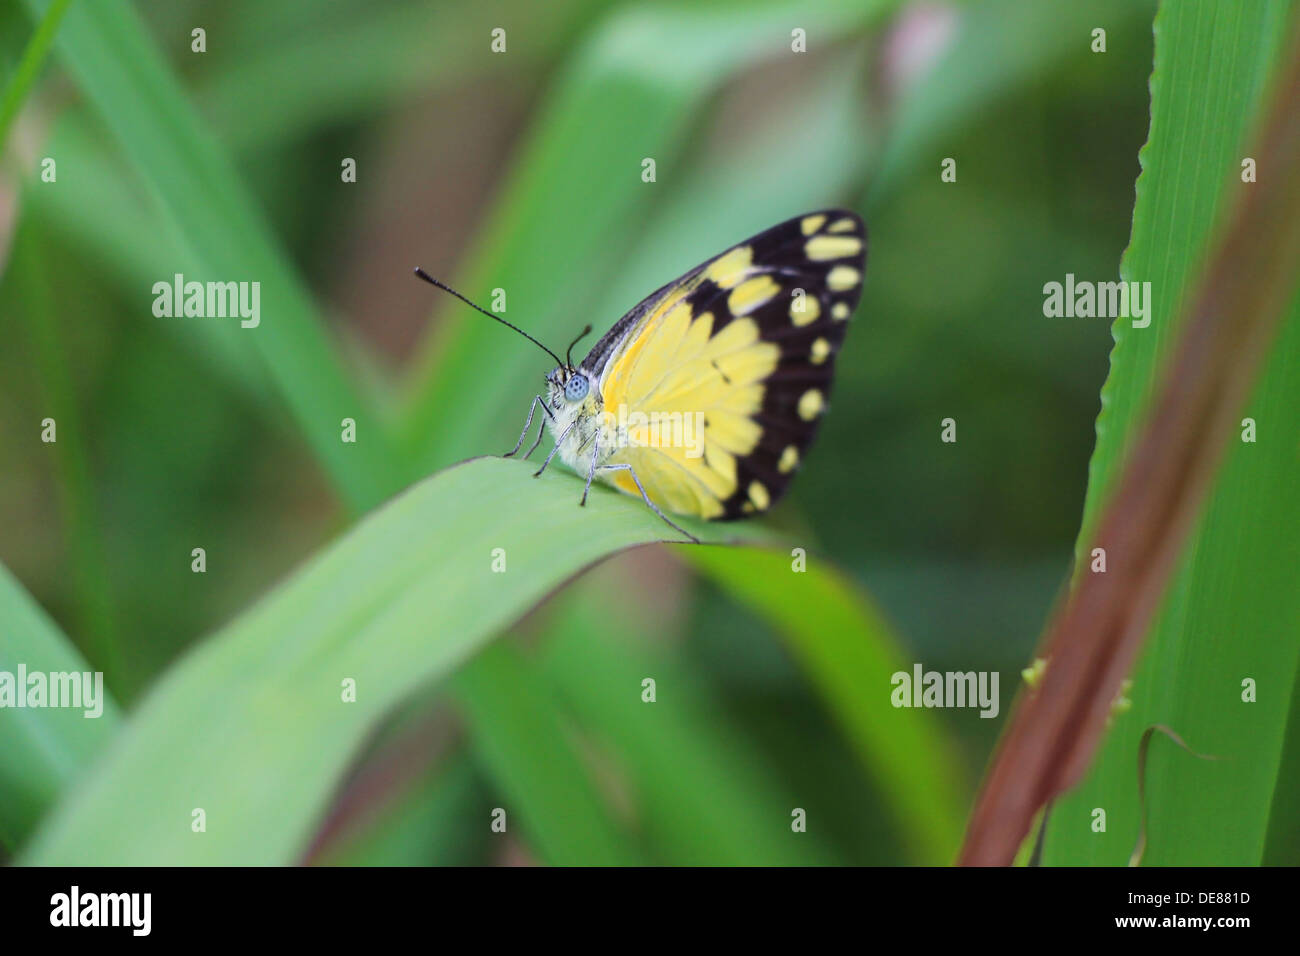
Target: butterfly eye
{"x": 576, "y": 388}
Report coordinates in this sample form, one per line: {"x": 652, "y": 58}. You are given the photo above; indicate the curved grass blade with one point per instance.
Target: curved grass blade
{"x": 108, "y": 52}
{"x": 1144, "y": 745}
{"x": 698, "y": 791}
{"x": 399, "y": 601}
{"x": 517, "y": 734}
{"x": 29, "y": 67}
{"x": 849, "y": 655}
{"x": 328, "y": 70}
{"x": 44, "y": 747}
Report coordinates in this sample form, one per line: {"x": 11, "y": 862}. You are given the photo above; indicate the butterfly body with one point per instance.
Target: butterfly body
{"x": 705, "y": 397}
{"x": 578, "y": 428}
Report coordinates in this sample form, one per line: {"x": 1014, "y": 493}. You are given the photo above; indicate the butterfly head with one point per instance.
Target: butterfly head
{"x": 568, "y": 384}
{"x": 576, "y": 387}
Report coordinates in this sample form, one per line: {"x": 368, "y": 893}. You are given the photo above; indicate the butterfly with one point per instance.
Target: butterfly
{"x": 704, "y": 399}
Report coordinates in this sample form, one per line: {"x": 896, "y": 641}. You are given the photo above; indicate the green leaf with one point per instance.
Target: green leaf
{"x": 1230, "y": 613}
{"x": 850, "y": 656}
{"x": 697, "y": 790}
{"x": 127, "y": 231}
{"x": 755, "y": 181}
{"x": 422, "y": 827}
{"x": 44, "y": 748}
{"x": 29, "y": 67}
{"x": 1283, "y": 841}
{"x": 95, "y": 615}
{"x": 517, "y": 733}
{"x": 106, "y": 49}
{"x": 399, "y": 601}
{"x": 329, "y": 70}
{"x": 1001, "y": 46}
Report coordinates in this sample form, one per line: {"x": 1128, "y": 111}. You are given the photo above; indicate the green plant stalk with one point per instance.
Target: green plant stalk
{"x": 85, "y": 545}
{"x": 29, "y": 67}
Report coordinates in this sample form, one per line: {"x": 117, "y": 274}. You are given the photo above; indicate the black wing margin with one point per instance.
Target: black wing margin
{"x": 824, "y": 254}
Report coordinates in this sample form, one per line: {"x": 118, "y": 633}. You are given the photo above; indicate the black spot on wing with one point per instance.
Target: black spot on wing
{"x": 704, "y": 293}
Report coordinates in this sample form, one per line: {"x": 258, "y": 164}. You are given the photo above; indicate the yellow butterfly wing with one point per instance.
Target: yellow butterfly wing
{"x": 732, "y": 364}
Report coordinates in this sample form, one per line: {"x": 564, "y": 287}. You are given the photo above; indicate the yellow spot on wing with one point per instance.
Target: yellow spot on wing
{"x": 735, "y": 434}
{"x": 729, "y": 268}
{"x": 820, "y": 350}
{"x": 751, "y": 294}
{"x": 811, "y": 404}
{"x": 721, "y": 461}
{"x": 812, "y": 309}
{"x": 840, "y": 310}
{"x": 759, "y": 496}
{"x": 842, "y": 278}
{"x": 811, "y": 224}
{"x": 789, "y": 459}
{"x": 821, "y": 248}
{"x": 843, "y": 225}
{"x": 674, "y": 365}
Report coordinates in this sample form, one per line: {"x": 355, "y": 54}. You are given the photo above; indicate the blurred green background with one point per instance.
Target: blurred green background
{"x": 522, "y": 170}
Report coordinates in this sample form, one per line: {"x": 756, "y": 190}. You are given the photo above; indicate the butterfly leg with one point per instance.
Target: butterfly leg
{"x": 646, "y": 498}
{"x": 558, "y": 442}
{"x": 529, "y": 424}
{"x": 591, "y": 472}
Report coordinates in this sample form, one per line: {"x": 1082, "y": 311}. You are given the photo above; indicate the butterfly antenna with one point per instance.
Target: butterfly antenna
{"x": 446, "y": 288}
{"x": 568, "y": 356}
